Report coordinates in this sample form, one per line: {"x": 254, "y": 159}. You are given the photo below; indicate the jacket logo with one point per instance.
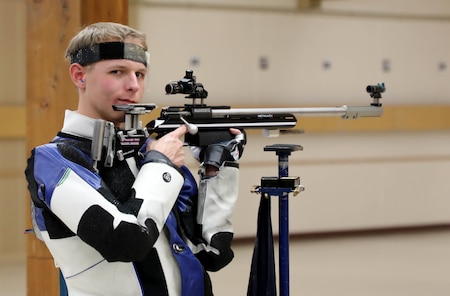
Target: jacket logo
{"x": 167, "y": 177}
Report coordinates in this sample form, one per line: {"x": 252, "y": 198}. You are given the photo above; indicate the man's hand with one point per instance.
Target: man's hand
{"x": 214, "y": 155}
{"x": 171, "y": 146}
{"x": 235, "y": 131}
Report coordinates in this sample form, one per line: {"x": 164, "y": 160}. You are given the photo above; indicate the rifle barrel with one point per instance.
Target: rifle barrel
{"x": 343, "y": 111}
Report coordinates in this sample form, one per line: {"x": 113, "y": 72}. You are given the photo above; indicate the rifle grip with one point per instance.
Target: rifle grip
{"x": 207, "y": 137}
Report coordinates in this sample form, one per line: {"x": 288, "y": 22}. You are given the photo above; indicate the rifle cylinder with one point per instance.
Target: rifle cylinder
{"x": 318, "y": 111}
{"x": 343, "y": 111}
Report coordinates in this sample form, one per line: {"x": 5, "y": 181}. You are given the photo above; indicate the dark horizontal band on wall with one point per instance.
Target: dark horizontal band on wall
{"x": 394, "y": 118}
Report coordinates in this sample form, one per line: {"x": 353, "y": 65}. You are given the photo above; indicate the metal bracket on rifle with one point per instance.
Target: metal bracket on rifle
{"x": 132, "y": 113}
{"x": 104, "y": 136}
{"x": 111, "y": 143}
{"x": 354, "y": 112}
{"x": 375, "y": 93}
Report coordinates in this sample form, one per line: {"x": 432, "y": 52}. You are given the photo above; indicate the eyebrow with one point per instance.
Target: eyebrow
{"x": 119, "y": 66}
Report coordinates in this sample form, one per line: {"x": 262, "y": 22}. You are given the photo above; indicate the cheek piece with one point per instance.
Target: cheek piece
{"x": 110, "y": 51}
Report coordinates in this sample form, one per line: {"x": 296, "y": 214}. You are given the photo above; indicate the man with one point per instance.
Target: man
{"x": 140, "y": 226}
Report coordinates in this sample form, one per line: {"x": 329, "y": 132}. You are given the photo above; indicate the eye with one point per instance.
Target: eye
{"x": 116, "y": 72}
{"x": 140, "y": 74}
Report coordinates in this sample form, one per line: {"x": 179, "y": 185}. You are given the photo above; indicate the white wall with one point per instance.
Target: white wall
{"x": 353, "y": 180}
{"x": 229, "y": 44}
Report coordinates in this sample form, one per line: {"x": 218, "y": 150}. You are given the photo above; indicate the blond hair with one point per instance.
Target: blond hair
{"x": 103, "y": 32}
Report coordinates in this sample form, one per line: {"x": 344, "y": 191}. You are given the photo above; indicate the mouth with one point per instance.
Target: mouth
{"x": 126, "y": 101}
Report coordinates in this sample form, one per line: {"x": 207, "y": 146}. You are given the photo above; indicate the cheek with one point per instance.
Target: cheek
{"x": 107, "y": 83}
{"x": 142, "y": 88}
{"x": 105, "y": 87}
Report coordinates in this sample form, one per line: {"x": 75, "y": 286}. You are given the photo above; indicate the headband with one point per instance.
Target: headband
{"x": 109, "y": 51}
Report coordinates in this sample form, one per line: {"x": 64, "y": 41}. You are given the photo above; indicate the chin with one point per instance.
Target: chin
{"x": 118, "y": 121}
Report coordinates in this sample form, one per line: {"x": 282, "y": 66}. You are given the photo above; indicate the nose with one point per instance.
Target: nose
{"x": 132, "y": 83}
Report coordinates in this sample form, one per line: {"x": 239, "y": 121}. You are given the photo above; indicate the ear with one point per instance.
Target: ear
{"x": 77, "y": 73}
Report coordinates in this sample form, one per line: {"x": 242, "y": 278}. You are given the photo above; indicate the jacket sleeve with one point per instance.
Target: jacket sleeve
{"x": 77, "y": 197}
{"x": 217, "y": 197}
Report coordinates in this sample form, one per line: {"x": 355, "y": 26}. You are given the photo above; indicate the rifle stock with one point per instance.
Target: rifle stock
{"x": 213, "y": 123}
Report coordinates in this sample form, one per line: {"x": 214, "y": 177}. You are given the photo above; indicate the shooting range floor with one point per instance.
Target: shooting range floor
{"x": 398, "y": 263}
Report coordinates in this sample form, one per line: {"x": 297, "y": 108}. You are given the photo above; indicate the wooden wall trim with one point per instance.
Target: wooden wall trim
{"x": 395, "y": 118}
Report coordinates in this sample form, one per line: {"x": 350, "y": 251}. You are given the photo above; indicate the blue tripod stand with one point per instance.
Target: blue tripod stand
{"x": 279, "y": 186}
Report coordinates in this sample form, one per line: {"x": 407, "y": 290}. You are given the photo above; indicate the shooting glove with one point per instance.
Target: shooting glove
{"x": 217, "y": 154}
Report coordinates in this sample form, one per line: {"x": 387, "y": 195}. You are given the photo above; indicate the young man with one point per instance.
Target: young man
{"x": 140, "y": 226}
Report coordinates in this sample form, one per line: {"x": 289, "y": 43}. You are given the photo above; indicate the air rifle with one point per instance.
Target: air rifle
{"x": 211, "y": 124}
{"x": 206, "y": 124}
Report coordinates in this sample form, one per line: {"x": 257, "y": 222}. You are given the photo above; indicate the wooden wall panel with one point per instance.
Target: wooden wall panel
{"x": 104, "y": 10}
{"x": 50, "y": 26}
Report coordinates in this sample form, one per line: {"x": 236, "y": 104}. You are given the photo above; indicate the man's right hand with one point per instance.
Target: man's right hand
{"x": 171, "y": 146}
